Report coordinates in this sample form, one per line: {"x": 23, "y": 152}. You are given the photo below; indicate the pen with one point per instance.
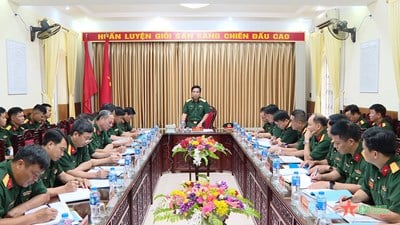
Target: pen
{"x": 48, "y": 205}
{"x": 346, "y": 198}
{"x": 316, "y": 172}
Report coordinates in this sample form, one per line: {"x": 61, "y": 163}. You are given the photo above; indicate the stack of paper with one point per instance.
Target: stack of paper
{"x": 118, "y": 169}
{"x": 79, "y": 195}
{"x": 290, "y": 159}
{"x": 99, "y": 183}
{"x": 264, "y": 142}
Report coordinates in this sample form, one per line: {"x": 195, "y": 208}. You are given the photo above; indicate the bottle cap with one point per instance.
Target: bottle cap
{"x": 64, "y": 215}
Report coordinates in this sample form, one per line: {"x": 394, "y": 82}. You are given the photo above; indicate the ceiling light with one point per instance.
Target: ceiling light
{"x": 194, "y": 5}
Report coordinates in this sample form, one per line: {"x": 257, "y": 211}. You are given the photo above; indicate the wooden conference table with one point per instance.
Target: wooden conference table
{"x": 131, "y": 205}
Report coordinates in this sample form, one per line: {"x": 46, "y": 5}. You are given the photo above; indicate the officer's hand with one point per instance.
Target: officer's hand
{"x": 319, "y": 185}
{"x": 114, "y": 158}
{"x": 102, "y": 174}
{"x": 44, "y": 215}
{"x": 121, "y": 149}
{"x": 71, "y": 186}
{"x": 109, "y": 147}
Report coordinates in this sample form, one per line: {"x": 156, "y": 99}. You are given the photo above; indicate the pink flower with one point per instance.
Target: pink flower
{"x": 212, "y": 149}
{"x": 208, "y": 208}
{"x": 200, "y": 147}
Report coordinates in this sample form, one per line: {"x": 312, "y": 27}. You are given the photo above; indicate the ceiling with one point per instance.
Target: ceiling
{"x": 250, "y": 9}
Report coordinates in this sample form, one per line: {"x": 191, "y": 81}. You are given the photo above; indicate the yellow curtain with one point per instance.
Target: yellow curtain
{"x": 236, "y": 78}
{"x": 72, "y": 47}
{"x": 333, "y": 49}
{"x": 394, "y": 27}
{"x": 52, "y": 53}
{"x": 316, "y": 48}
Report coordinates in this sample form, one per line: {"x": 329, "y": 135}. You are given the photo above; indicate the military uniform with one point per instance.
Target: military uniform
{"x": 353, "y": 167}
{"x": 12, "y": 195}
{"x": 31, "y": 125}
{"x": 276, "y": 131}
{"x": 334, "y": 157}
{"x": 300, "y": 142}
{"x": 319, "y": 145}
{"x": 126, "y": 127}
{"x": 267, "y": 127}
{"x": 6, "y": 136}
{"x": 363, "y": 123}
{"x": 47, "y": 124}
{"x": 116, "y": 130}
{"x": 289, "y": 135}
{"x": 99, "y": 140}
{"x": 384, "y": 124}
{"x": 14, "y": 130}
{"x": 195, "y": 111}
{"x": 382, "y": 185}
{"x": 49, "y": 176}
{"x": 73, "y": 157}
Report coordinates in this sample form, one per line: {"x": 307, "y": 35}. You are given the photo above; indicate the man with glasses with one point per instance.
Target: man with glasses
{"x": 76, "y": 161}
{"x": 22, "y": 190}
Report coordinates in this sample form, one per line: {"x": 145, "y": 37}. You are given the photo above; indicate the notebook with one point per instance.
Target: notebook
{"x": 79, "y": 195}
{"x": 61, "y": 207}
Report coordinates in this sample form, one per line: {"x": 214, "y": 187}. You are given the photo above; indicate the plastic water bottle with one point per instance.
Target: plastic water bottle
{"x": 128, "y": 165}
{"x": 295, "y": 197}
{"x": 183, "y": 125}
{"x": 276, "y": 165}
{"x": 256, "y": 145}
{"x": 264, "y": 154}
{"x": 321, "y": 209}
{"x": 112, "y": 178}
{"x": 65, "y": 219}
{"x": 94, "y": 202}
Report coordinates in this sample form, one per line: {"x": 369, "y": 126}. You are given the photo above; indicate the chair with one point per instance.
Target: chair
{"x": 2, "y": 150}
{"x": 28, "y": 138}
{"x": 209, "y": 122}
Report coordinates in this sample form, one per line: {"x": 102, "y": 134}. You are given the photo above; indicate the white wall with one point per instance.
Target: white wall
{"x": 16, "y": 28}
{"x": 372, "y": 28}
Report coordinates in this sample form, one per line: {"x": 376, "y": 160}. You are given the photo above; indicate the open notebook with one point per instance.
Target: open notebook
{"x": 61, "y": 208}
{"x": 79, "y": 195}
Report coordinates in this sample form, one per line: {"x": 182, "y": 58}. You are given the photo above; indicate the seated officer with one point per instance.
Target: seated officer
{"x": 116, "y": 132}
{"x": 381, "y": 179}
{"x": 334, "y": 157}
{"x": 196, "y": 109}
{"x": 353, "y": 113}
{"x": 316, "y": 139}
{"x": 22, "y": 190}
{"x": 299, "y": 123}
{"x": 269, "y": 128}
{"x": 377, "y": 114}
{"x": 101, "y": 145}
{"x": 288, "y": 134}
{"x": 47, "y": 115}
{"x": 76, "y": 160}
{"x": 36, "y": 118}
{"x": 129, "y": 113}
{"x": 346, "y": 137}
{"x": 4, "y": 134}
{"x": 55, "y": 144}
{"x": 15, "y": 121}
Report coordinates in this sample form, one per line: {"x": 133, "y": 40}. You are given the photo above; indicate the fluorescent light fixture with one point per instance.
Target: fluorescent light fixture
{"x": 194, "y": 5}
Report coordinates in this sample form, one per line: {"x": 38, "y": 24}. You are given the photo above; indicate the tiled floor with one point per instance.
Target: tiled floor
{"x": 170, "y": 181}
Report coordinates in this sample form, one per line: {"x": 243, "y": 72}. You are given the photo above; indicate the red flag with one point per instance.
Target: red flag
{"x": 89, "y": 83}
{"x": 106, "y": 92}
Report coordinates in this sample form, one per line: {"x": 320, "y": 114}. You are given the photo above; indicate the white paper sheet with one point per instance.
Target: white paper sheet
{"x": 79, "y": 195}
{"x": 61, "y": 207}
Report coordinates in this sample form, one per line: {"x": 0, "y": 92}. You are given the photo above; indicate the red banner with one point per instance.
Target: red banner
{"x": 106, "y": 92}
{"x": 195, "y": 36}
{"x": 89, "y": 83}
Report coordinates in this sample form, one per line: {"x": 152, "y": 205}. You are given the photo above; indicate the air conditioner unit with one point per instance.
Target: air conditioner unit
{"x": 324, "y": 18}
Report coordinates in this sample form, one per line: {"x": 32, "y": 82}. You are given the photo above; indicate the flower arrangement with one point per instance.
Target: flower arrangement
{"x": 202, "y": 203}
{"x": 199, "y": 148}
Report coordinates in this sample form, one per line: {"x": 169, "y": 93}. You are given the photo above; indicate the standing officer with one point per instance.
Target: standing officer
{"x": 196, "y": 109}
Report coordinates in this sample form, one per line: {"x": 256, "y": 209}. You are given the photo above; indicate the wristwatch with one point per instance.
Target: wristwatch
{"x": 306, "y": 142}
{"x": 331, "y": 184}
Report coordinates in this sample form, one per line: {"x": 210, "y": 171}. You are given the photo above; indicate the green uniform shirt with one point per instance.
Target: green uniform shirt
{"x": 49, "y": 176}
{"x": 73, "y": 157}
{"x": 12, "y": 195}
{"x": 116, "y": 130}
{"x": 363, "y": 123}
{"x": 14, "y": 130}
{"x": 30, "y": 125}
{"x": 384, "y": 124}
{"x": 195, "y": 111}
{"x": 334, "y": 157}
{"x": 289, "y": 135}
{"x": 47, "y": 124}
{"x": 382, "y": 185}
{"x": 352, "y": 168}
{"x": 276, "y": 131}
{"x": 6, "y": 136}
{"x": 300, "y": 142}
{"x": 267, "y": 127}
{"x": 99, "y": 140}
{"x": 319, "y": 145}
{"x": 126, "y": 126}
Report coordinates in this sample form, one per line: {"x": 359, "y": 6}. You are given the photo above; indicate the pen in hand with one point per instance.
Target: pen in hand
{"x": 345, "y": 199}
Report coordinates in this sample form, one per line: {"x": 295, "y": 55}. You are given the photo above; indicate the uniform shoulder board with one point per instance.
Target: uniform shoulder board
{"x": 362, "y": 122}
{"x": 383, "y": 124}
{"x": 26, "y": 120}
{"x": 8, "y": 127}
{"x": 203, "y": 100}
{"x": 394, "y": 167}
{"x": 189, "y": 100}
